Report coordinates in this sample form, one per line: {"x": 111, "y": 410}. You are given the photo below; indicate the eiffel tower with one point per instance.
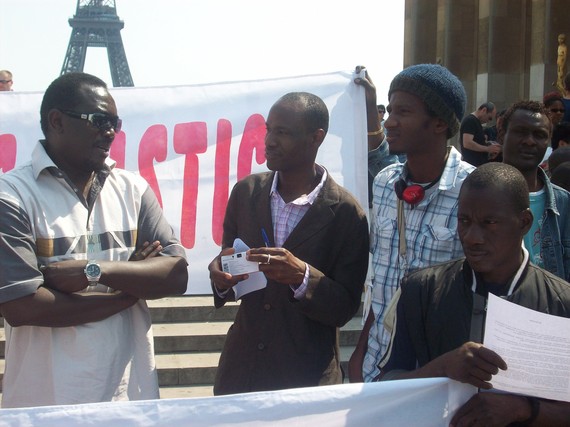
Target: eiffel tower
{"x": 96, "y": 24}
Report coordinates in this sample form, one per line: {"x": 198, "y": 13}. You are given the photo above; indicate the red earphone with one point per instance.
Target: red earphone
{"x": 415, "y": 193}
{"x": 411, "y": 194}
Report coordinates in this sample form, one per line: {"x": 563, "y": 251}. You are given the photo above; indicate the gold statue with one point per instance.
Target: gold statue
{"x": 561, "y": 62}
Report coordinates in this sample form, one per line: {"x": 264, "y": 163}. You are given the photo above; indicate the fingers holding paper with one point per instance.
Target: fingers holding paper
{"x": 278, "y": 264}
{"x": 472, "y": 363}
{"x": 220, "y": 279}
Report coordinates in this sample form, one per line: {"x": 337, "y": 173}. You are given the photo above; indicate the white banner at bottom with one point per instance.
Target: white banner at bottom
{"x": 422, "y": 402}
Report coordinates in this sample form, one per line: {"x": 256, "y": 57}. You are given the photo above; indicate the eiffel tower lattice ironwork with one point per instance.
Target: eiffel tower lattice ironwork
{"x": 96, "y": 24}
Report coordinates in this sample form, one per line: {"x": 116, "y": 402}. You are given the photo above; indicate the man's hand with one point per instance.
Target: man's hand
{"x": 148, "y": 250}
{"x": 69, "y": 276}
{"x": 220, "y": 278}
{"x": 369, "y": 88}
{"x": 471, "y": 363}
{"x": 372, "y": 120}
{"x": 279, "y": 265}
{"x": 494, "y": 149}
{"x": 492, "y": 409}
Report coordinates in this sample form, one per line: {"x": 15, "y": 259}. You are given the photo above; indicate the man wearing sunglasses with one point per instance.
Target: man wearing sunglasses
{"x": 5, "y": 81}
{"x": 83, "y": 245}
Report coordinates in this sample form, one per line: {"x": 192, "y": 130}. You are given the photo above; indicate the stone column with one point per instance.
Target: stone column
{"x": 420, "y": 32}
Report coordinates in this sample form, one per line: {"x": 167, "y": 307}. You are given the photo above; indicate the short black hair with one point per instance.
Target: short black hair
{"x": 532, "y": 106}
{"x": 381, "y": 107}
{"x": 561, "y": 132}
{"x": 502, "y": 177}
{"x": 561, "y": 176}
{"x": 487, "y": 105}
{"x": 64, "y": 94}
{"x": 558, "y": 156}
{"x": 316, "y": 111}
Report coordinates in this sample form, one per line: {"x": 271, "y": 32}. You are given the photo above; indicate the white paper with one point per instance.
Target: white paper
{"x": 237, "y": 263}
{"x": 535, "y": 346}
{"x": 254, "y": 282}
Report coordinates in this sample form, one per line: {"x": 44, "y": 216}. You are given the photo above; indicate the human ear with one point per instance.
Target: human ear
{"x": 526, "y": 220}
{"x": 440, "y": 126}
{"x": 318, "y": 137}
{"x": 54, "y": 120}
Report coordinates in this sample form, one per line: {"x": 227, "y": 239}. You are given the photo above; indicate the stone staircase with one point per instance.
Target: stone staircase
{"x": 189, "y": 334}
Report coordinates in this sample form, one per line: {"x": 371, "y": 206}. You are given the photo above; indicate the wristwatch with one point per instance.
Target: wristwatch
{"x": 92, "y": 272}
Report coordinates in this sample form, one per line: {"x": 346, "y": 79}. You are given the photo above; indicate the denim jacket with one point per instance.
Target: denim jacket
{"x": 555, "y": 231}
{"x": 378, "y": 159}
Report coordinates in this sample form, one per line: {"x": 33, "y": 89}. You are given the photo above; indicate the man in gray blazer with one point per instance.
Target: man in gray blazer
{"x": 310, "y": 237}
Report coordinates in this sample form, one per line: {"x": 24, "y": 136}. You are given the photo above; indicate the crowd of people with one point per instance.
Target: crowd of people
{"x": 84, "y": 245}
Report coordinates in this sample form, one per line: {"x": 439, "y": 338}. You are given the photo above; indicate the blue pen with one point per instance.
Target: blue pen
{"x": 265, "y": 238}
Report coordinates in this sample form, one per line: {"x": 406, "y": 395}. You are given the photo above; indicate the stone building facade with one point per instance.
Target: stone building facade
{"x": 502, "y": 50}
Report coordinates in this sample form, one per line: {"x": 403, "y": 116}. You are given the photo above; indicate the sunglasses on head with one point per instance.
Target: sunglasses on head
{"x": 100, "y": 121}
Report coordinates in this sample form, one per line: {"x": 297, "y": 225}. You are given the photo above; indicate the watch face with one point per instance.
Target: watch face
{"x": 92, "y": 270}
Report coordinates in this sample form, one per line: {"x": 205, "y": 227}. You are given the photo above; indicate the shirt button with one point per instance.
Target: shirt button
{"x": 267, "y": 306}
{"x": 260, "y": 346}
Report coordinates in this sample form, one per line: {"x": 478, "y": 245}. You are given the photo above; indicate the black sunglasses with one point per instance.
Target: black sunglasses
{"x": 100, "y": 121}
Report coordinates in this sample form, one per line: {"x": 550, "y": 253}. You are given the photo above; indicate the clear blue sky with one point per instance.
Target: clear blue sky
{"x": 177, "y": 42}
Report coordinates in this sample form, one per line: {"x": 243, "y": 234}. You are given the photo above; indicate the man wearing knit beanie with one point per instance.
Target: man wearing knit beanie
{"x": 414, "y": 213}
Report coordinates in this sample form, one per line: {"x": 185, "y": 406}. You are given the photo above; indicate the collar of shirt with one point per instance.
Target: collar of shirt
{"x": 450, "y": 170}
{"x": 305, "y": 198}
{"x": 41, "y": 160}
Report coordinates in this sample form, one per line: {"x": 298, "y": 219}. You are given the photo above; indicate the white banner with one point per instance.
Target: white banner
{"x": 193, "y": 143}
{"x": 422, "y": 402}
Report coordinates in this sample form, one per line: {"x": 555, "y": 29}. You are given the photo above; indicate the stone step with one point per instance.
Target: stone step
{"x": 207, "y": 336}
{"x": 189, "y": 334}
{"x": 199, "y": 368}
{"x": 190, "y": 309}
{"x": 210, "y": 336}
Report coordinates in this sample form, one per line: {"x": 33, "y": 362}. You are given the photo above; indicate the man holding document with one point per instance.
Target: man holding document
{"x": 439, "y": 321}
{"x": 309, "y": 237}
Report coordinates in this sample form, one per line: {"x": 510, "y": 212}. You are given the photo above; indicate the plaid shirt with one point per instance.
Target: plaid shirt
{"x": 431, "y": 238}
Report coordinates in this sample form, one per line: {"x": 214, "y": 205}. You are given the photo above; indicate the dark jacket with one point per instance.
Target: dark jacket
{"x": 276, "y": 341}
{"x": 434, "y": 310}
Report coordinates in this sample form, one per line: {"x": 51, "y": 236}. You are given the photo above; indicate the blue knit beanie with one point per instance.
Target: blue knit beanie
{"x": 441, "y": 91}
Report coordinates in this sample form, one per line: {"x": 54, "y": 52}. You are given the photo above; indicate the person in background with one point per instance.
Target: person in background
{"x": 435, "y": 333}
{"x": 493, "y": 135}
{"x": 553, "y": 103}
{"x": 310, "y": 238}
{"x": 561, "y": 176}
{"x": 474, "y": 146}
{"x": 559, "y": 156}
{"x": 5, "y": 81}
{"x": 376, "y": 133}
{"x": 381, "y": 112}
{"x": 83, "y": 245}
{"x": 414, "y": 221}
{"x": 560, "y": 136}
{"x": 527, "y": 131}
